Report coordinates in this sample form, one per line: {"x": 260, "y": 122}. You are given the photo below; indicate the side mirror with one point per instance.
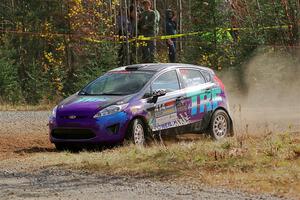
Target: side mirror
{"x": 158, "y": 93}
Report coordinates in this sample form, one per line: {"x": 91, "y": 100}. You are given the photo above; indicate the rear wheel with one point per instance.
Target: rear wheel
{"x": 219, "y": 125}
{"x": 137, "y": 132}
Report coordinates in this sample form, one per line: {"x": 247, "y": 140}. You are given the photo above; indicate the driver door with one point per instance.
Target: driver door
{"x": 165, "y": 113}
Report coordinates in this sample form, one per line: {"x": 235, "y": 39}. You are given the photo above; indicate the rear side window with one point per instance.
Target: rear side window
{"x": 207, "y": 75}
{"x": 167, "y": 81}
{"x": 192, "y": 77}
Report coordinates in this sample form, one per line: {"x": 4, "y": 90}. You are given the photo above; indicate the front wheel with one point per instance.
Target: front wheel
{"x": 219, "y": 125}
{"x": 137, "y": 132}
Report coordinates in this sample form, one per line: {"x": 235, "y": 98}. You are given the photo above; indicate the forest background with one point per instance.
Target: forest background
{"x": 51, "y": 48}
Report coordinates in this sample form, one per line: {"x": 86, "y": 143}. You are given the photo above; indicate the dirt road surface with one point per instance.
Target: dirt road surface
{"x": 57, "y": 184}
{"x": 25, "y": 133}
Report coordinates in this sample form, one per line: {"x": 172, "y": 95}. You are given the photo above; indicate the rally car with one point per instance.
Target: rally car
{"x": 136, "y": 101}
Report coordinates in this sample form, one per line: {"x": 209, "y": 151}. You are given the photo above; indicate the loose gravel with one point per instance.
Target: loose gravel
{"x": 24, "y": 122}
{"x": 57, "y": 184}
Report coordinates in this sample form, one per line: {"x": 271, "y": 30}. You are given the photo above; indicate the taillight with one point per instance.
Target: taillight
{"x": 219, "y": 82}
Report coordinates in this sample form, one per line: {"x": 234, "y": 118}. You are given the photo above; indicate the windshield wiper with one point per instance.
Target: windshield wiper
{"x": 113, "y": 94}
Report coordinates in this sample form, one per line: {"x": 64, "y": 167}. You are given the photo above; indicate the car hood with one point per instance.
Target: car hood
{"x": 87, "y": 106}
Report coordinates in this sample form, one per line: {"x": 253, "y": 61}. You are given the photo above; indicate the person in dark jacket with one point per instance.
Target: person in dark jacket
{"x": 147, "y": 28}
{"x": 171, "y": 29}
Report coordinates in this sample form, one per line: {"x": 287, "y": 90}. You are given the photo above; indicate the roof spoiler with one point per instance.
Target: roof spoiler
{"x": 133, "y": 68}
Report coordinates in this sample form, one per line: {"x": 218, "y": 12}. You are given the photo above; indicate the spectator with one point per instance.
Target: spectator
{"x": 171, "y": 29}
{"x": 147, "y": 27}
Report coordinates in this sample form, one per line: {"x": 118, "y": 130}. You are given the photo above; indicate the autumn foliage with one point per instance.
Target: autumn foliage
{"x": 51, "y": 48}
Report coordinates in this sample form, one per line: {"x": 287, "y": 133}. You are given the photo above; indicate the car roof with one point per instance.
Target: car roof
{"x": 156, "y": 67}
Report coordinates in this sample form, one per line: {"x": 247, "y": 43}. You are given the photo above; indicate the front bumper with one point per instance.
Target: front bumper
{"x": 108, "y": 129}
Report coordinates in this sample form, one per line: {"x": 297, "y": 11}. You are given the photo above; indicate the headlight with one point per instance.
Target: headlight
{"x": 54, "y": 111}
{"x": 111, "y": 110}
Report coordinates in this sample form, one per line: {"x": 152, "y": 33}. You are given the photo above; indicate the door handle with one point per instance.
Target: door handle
{"x": 180, "y": 98}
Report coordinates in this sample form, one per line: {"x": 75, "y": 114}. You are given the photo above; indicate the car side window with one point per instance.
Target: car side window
{"x": 147, "y": 93}
{"x": 206, "y": 75}
{"x": 192, "y": 77}
{"x": 167, "y": 81}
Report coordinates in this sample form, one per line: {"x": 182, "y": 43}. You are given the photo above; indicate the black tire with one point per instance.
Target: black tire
{"x": 220, "y": 126}
{"x": 137, "y": 132}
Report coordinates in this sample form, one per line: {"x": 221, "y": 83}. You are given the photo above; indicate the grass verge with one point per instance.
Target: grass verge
{"x": 255, "y": 164}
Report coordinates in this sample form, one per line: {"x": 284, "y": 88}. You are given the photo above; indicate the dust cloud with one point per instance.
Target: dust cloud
{"x": 265, "y": 95}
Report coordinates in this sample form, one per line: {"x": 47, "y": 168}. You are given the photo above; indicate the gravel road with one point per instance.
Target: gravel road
{"x": 57, "y": 184}
{"x": 27, "y": 132}
{"x": 26, "y": 122}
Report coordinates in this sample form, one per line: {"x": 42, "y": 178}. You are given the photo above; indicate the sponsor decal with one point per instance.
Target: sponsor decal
{"x": 167, "y": 108}
{"x": 205, "y": 100}
{"x": 167, "y": 111}
{"x": 182, "y": 107}
{"x": 170, "y": 115}
{"x": 91, "y": 99}
{"x": 171, "y": 121}
{"x": 135, "y": 109}
{"x": 165, "y": 114}
{"x": 166, "y": 119}
{"x": 184, "y": 119}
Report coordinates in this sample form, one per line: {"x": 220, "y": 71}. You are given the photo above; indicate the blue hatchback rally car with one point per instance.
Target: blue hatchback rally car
{"x": 135, "y": 101}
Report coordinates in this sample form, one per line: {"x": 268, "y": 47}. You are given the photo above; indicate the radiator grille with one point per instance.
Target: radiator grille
{"x": 73, "y": 134}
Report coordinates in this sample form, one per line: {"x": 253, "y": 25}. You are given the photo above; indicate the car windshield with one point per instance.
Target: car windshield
{"x": 118, "y": 83}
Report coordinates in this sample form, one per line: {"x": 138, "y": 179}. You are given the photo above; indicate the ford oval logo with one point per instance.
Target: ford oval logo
{"x": 72, "y": 117}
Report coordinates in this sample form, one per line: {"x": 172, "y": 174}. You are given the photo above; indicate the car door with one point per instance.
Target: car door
{"x": 165, "y": 112}
{"x": 198, "y": 93}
